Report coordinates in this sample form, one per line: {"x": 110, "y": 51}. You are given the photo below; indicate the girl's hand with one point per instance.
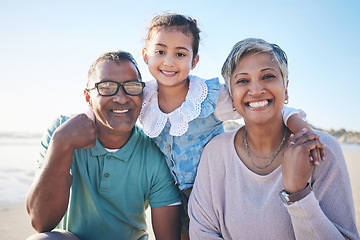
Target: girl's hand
{"x": 317, "y": 154}
{"x": 296, "y": 167}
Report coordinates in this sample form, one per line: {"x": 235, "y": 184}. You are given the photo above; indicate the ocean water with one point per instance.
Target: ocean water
{"x": 18, "y": 164}
{"x": 350, "y": 147}
{"x": 17, "y": 167}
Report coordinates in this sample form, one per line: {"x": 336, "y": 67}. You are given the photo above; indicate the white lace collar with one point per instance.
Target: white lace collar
{"x": 153, "y": 119}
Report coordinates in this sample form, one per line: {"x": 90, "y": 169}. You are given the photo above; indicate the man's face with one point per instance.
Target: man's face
{"x": 115, "y": 114}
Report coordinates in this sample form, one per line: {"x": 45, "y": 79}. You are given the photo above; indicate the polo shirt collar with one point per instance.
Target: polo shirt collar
{"x": 123, "y": 153}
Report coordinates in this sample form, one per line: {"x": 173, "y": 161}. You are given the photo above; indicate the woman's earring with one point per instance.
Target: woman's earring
{"x": 286, "y": 101}
{"x": 234, "y": 109}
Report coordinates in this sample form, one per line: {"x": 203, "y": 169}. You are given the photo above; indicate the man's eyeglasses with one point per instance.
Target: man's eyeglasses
{"x": 110, "y": 88}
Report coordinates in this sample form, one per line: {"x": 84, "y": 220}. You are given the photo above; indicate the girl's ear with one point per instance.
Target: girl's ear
{"x": 195, "y": 61}
{"x": 88, "y": 99}
{"x": 144, "y": 54}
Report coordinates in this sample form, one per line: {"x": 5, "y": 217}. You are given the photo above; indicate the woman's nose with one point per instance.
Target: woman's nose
{"x": 256, "y": 89}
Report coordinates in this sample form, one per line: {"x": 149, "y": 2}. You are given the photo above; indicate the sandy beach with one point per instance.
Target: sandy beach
{"x": 14, "y": 223}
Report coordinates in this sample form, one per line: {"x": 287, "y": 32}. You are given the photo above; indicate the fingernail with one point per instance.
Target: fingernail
{"x": 304, "y": 129}
{"x": 291, "y": 135}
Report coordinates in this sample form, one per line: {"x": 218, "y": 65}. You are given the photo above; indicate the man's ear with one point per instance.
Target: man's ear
{"x": 195, "y": 61}
{"x": 88, "y": 98}
{"x": 144, "y": 54}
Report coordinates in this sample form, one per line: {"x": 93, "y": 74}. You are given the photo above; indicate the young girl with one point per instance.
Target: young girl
{"x": 181, "y": 112}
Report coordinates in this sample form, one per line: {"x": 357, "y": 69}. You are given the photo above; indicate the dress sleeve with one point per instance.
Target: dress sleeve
{"x": 327, "y": 212}
{"x": 287, "y": 112}
{"x": 203, "y": 220}
{"x": 224, "y": 108}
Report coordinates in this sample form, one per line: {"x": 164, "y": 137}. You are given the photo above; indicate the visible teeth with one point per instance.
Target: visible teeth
{"x": 121, "y": 111}
{"x": 168, "y": 73}
{"x": 258, "y": 104}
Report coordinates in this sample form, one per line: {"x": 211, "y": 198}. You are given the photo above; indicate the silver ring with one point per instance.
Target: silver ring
{"x": 292, "y": 143}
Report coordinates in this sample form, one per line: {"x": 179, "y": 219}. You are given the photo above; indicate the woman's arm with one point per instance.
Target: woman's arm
{"x": 203, "y": 221}
{"x": 327, "y": 212}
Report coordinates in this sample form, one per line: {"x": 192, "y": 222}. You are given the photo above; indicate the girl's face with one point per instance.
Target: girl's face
{"x": 257, "y": 88}
{"x": 169, "y": 56}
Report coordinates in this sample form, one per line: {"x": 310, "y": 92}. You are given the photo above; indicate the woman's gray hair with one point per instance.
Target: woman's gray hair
{"x": 253, "y": 45}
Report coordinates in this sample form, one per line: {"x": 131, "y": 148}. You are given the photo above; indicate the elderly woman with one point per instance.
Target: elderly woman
{"x": 257, "y": 182}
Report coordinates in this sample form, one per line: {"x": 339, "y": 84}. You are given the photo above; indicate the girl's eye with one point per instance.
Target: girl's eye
{"x": 180, "y": 55}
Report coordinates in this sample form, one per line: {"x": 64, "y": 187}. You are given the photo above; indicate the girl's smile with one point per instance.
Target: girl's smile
{"x": 169, "y": 56}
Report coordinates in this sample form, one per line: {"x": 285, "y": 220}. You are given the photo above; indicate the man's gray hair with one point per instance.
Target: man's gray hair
{"x": 117, "y": 56}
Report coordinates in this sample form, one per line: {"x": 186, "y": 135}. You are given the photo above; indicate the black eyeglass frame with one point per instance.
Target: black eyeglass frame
{"x": 118, "y": 86}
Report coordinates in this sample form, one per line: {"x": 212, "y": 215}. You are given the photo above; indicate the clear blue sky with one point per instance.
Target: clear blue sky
{"x": 46, "y": 48}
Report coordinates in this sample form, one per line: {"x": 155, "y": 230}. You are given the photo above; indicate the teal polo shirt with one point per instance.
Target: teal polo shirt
{"x": 111, "y": 191}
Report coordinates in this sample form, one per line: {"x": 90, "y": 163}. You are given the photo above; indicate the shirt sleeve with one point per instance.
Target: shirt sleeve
{"x": 328, "y": 212}
{"x": 224, "y": 107}
{"x": 163, "y": 189}
{"x": 45, "y": 141}
{"x": 287, "y": 112}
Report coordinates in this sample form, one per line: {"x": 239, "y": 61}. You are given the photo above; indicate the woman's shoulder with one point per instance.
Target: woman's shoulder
{"x": 219, "y": 153}
{"x": 334, "y": 157}
{"x": 225, "y": 138}
{"x": 330, "y": 142}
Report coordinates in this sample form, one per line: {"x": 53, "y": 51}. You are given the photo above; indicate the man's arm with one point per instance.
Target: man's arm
{"x": 166, "y": 222}
{"x": 48, "y": 197}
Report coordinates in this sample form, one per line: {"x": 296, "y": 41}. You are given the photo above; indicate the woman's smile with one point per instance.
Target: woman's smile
{"x": 258, "y": 105}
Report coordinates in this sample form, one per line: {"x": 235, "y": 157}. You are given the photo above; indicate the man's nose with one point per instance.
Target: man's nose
{"x": 120, "y": 96}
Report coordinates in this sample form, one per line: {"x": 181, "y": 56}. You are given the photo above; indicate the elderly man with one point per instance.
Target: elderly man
{"x": 97, "y": 177}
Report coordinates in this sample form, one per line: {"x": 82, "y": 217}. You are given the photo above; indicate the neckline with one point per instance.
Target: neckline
{"x": 243, "y": 165}
{"x": 154, "y": 120}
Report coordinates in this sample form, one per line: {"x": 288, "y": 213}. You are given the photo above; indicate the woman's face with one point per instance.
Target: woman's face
{"x": 258, "y": 91}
